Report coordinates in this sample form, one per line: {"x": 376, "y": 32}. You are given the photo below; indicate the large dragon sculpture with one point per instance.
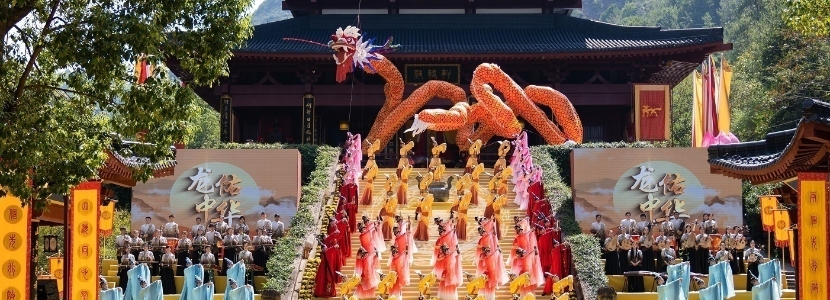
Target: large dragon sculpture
{"x": 493, "y": 115}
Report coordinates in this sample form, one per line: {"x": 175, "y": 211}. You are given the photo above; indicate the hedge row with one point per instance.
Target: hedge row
{"x": 589, "y": 268}
{"x": 323, "y": 158}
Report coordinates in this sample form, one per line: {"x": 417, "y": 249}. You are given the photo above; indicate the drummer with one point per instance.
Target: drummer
{"x": 248, "y": 258}
{"x": 627, "y": 224}
{"x": 171, "y": 229}
{"x": 195, "y": 228}
{"x": 213, "y": 237}
{"x": 147, "y": 257}
{"x": 122, "y": 243}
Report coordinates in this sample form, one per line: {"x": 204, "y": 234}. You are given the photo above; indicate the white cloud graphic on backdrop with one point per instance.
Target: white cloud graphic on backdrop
{"x": 282, "y": 208}
{"x": 258, "y": 191}
{"x": 158, "y": 192}
{"x": 601, "y": 191}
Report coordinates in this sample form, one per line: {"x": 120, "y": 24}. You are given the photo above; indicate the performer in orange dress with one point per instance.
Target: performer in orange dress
{"x": 525, "y": 258}
{"x": 366, "y": 266}
{"x": 489, "y": 262}
{"x": 372, "y": 236}
{"x": 447, "y": 262}
{"x": 404, "y": 239}
{"x": 498, "y": 203}
{"x": 399, "y": 263}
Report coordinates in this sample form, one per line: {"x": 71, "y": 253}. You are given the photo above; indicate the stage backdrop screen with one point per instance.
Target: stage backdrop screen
{"x": 210, "y": 183}
{"x": 654, "y": 181}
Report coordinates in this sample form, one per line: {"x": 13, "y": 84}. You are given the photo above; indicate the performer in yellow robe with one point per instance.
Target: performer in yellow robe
{"x": 435, "y": 165}
{"x": 390, "y": 209}
{"x": 403, "y": 162}
{"x": 501, "y": 163}
{"x": 472, "y": 155}
{"x": 474, "y": 183}
{"x": 462, "y": 204}
{"x": 367, "y": 193}
{"x": 403, "y": 186}
{"x": 425, "y": 208}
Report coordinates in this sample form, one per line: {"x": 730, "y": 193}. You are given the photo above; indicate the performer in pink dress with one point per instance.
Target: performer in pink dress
{"x": 522, "y": 183}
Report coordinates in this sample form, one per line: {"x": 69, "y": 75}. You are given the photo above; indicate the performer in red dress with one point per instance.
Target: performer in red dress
{"x": 366, "y": 267}
{"x": 404, "y": 239}
{"x": 399, "y": 262}
{"x": 327, "y": 279}
{"x": 447, "y": 261}
{"x": 546, "y": 243}
{"x": 346, "y": 241}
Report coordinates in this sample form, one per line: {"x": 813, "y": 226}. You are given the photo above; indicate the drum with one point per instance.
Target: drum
{"x": 636, "y": 239}
{"x": 716, "y": 240}
{"x": 221, "y": 246}
{"x": 173, "y": 243}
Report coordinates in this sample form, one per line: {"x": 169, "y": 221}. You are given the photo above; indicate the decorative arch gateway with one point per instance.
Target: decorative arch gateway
{"x": 488, "y": 117}
{"x": 800, "y": 153}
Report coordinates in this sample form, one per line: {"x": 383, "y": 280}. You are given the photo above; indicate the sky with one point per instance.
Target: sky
{"x": 256, "y": 4}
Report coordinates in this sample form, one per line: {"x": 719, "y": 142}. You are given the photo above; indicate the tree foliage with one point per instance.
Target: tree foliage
{"x": 809, "y": 17}
{"x": 66, "y": 81}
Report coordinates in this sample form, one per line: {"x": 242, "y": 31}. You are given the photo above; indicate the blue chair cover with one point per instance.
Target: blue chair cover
{"x": 713, "y": 292}
{"x": 722, "y": 273}
{"x": 680, "y": 271}
{"x": 245, "y": 292}
{"x": 190, "y": 274}
{"x": 765, "y": 291}
{"x": 134, "y": 276}
{"x": 770, "y": 270}
{"x": 671, "y": 291}
{"x": 152, "y": 292}
{"x": 204, "y": 292}
{"x": 111, "y": 294}
{"x": 237, "y": 273}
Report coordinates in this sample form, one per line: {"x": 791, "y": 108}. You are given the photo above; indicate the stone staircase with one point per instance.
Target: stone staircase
{"x": 440, "y": 209}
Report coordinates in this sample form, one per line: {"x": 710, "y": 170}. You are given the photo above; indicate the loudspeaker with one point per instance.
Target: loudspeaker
{"x": 47, "y": 289}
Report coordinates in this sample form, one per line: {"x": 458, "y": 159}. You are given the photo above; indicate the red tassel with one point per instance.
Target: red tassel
{"x": 782, "y": 244}
{"x": 768, "y": 228}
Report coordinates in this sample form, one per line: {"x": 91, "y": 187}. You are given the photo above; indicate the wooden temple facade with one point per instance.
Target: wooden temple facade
{"x": 535, "y": 41}
{"x": 802, "y": 154}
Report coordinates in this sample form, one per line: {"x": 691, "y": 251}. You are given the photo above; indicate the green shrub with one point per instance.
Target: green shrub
{"x": 280, "y": 264}
{"x": 587, "y": 263}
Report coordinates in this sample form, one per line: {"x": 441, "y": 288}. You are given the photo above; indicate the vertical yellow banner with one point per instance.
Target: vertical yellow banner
{"x": 768, "y": 206}
{"x": 82, "y": 246}
{"x": 56, "y": 268}
{"x": 782, "y": 224}
{"x": 106, "y": 218}
{"x": 16, "y": 235}
{"x": 812, "y": 238}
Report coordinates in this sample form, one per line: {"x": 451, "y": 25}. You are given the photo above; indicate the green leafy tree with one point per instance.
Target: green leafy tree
{"x": 203, "y": 125}
{"x": 809, "y": 17}
{"x": 67, "y": 82}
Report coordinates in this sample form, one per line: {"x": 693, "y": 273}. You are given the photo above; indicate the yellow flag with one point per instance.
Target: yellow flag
{"x": 723, "y": 96}
{"x": 56, "y": 268}
{"x": 782, "y": 224}
{"x": 697, "y": 109}
{"x": 791, "y": 237}
{"x": 16, "y": 260}
{"x": 768, "y": 205}
{"x": 105, "y": 218}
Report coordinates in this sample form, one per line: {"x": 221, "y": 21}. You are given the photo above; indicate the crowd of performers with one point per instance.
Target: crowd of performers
{"x": 195, "y": 287}
{"x": 214, "y": 247}
{"x": 537, "y": 253}
{"x": 651, "y": 247}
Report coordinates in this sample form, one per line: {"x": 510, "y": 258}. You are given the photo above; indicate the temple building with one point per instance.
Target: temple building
{"x": 596, "y": 65}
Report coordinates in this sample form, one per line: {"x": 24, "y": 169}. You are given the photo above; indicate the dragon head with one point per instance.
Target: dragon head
{"x": 350, "y": 50}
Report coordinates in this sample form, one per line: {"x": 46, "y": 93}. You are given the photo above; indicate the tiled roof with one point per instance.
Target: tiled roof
{"x": 475, "y": 34}
{"x": 780, "y": 151}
